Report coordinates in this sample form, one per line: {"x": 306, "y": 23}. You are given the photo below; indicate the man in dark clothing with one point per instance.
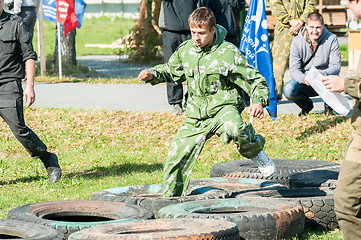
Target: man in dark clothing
{"x": 225, "y": 12}
{"x": 17, "y": 57}
{"x": 173, "y": 20}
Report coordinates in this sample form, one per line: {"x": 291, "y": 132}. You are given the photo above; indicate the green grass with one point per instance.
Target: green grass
{"x": 101, "y": 149}
{"x": 103, "y": 30}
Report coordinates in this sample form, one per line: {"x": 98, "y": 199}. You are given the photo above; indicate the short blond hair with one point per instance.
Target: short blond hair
{"x": 202, "y": 17}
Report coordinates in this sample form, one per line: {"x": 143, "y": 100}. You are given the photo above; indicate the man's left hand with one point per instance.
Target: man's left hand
{"x": 256, "y": 110}
{"x": 29, "y": 96}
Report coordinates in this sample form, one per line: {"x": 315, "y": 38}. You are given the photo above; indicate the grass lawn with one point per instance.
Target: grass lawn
{"x": 102, "y": 30}
{"x": 101, "y": 149}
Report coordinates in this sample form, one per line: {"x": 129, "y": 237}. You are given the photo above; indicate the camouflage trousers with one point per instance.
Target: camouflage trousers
{"x": 281, "y": 54}
{"x": 190, "y": 139}
{"x": 348, "y": 191}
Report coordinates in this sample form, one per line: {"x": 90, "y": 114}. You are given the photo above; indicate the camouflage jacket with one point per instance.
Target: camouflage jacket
{"x": 213, "y": 74}
{"x": 286, "y": 10}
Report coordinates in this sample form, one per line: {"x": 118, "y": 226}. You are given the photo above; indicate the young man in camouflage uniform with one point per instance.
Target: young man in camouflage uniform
{"x": 16, "y": 57}
{"x": 348, "y": 190}
{"x": 213, "y": 69}
{"x": 290, "y": 16}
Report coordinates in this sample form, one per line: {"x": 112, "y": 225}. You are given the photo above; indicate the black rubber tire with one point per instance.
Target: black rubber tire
{"x": 318, "y": 203}
{"x": 325, "y": 177}
{"x": 255, "y": 218}
{"x": 150, "y": 196}
{"x": 235, "y": 186}
{"x": 12, "y": 229}
{"x": 285, "y": 168}
{"x": 156, "y": 229}
{"x": 72, "y": 215}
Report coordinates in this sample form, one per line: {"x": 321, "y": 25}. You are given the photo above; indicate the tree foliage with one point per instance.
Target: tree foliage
{"x": 145, "y": 38}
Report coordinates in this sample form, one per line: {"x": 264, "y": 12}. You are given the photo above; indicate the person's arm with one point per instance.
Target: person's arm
{"x": 29, "y": 93}
{"x": 334, "y": 61}
{"x": 167, "y": 72}
{"x": 309, "y": 8}
{"x": 296, "y": 72}
{"x": 251, "y": 81}
{"x": 280, "y": 12}
{"x": 351, "y": 85}
{"x": 237, "y": 5}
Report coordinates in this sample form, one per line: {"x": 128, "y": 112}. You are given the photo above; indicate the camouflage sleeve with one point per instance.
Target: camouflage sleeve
{"x": 309, "y": 8}
{"x": 251, "y": 81}
{"x": 171, "y": 71}
{"x": 279, "y": 11}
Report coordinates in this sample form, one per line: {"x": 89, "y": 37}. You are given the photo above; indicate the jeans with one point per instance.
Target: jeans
{"x": 300, "y": 94}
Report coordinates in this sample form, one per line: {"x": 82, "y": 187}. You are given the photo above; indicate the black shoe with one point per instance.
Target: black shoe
{"x": 52, "y": 168}
{"x": 306, "y": 111}
{"x": 329, "y": 111}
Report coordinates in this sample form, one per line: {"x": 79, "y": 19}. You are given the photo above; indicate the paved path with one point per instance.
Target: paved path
{"x": 133, "y": 97}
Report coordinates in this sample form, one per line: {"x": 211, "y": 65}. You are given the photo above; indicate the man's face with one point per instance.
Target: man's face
{"x": 355, "y": 7}
{"x": 202, "y": 36}
{"x": 314, "y": 30}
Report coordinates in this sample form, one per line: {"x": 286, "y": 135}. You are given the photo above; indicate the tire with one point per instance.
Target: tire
{"x": 72, "y": 215}
{"x": 195, "y": 229}
{"x": 318, "y": 203}
{"x": 235, "y": 186}
{"x": 285, "y": 168}
{"x": 150, "y": 196}
{"x": 315, "y": 178}
{"x": 255, "y": 218}
{"x": 11, "y": 229}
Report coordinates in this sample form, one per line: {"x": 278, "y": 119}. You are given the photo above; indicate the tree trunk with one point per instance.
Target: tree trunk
{"x": 68, "y": 53}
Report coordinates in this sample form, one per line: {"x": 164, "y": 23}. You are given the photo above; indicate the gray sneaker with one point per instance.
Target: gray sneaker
{"x": 52, "y": 168}
{"x": 265, "y": 165}
{"x": 177, "y": 109}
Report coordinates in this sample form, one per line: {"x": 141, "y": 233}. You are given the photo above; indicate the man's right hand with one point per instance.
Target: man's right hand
{"x": 334, "y": 83}
{"x": 145, "y": 75}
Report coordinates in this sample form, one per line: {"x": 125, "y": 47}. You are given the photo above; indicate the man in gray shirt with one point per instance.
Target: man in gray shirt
{"x": 313, "y": 46}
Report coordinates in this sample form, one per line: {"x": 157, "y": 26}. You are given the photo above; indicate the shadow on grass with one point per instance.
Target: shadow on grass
{"x": 22, "y": 180}
{"x": 115, "y": 170}
{"x": 95, "y": 173}
{"x": 321, "y": 126}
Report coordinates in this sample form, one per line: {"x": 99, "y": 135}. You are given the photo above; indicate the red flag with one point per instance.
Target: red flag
{"x": 66, "y": 14}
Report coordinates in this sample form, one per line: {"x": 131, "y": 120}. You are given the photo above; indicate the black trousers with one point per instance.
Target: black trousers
{"x": 11, "y": 110}
{"x": 171, "y": 40}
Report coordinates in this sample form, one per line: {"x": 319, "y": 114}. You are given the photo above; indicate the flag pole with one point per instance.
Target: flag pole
{"x": 59, "y": 49}
{"x": 41, "y": 42}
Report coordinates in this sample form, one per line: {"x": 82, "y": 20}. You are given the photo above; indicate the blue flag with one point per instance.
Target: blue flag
{"x": 49, "y": 10}
{"x": 79, "y": 8}
{"x": 255, "y": 46}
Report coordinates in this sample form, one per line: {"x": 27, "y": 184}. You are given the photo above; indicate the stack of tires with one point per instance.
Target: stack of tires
{"x": 310, "y": 183}
{"x": 235, "y": 203}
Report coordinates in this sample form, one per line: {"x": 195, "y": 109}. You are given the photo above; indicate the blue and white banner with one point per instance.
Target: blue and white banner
{"x": 255, "y": 46}
{"x": 49, "y": 10}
